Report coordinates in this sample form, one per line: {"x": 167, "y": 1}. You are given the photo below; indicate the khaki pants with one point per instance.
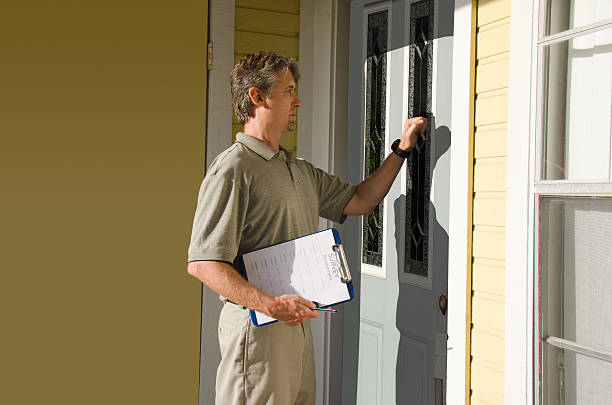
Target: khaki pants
{"x": 271, "y": 365}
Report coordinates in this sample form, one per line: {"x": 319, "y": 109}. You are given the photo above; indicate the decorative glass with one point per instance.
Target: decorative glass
{"x": 418, "y": 180}
{"x": 376, "y": 92}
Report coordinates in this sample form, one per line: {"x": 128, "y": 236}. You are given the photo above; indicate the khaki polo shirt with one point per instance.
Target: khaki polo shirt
{"x": 254, "y": 196}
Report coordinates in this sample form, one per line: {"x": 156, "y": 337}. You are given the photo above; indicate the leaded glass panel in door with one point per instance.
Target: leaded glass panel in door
{"x": 375, "y": 114}
{"x": 418, "y": 180}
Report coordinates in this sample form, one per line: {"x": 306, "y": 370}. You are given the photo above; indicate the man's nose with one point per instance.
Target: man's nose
{"x": 297, "y": 102}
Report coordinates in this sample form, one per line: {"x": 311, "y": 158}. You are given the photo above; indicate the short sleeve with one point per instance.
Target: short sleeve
{"x": 219, "y": 216}
{"x": 334, "y": 194}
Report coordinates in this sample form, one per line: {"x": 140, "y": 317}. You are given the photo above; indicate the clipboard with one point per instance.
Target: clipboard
{"x": 313, "y": 266}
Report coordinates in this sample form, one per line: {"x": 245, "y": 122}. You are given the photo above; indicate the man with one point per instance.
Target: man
{"x": 256, "y": 194}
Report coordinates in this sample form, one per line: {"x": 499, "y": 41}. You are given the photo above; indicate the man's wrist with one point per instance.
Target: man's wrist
{"x": 395, "y": 147}
{"x": 267, "y": 303}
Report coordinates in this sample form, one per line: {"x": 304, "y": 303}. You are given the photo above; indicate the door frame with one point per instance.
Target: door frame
{"x": 218, "y": 130}
{"x": 322, "y": 136}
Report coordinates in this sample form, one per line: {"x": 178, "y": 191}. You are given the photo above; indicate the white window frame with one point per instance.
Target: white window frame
{"x": 524, "y": 191}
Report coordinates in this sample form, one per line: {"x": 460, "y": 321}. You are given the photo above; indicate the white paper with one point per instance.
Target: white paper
{"x": 306, "y": 266}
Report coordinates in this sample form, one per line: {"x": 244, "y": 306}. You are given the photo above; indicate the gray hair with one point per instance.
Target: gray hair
{"x": 260, "y": 70}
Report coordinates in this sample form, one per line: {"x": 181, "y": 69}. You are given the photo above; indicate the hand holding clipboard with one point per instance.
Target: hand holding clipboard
{"x": 313, "y": 266}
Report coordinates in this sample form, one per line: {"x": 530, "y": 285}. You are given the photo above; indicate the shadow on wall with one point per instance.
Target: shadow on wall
{"x": 412, "y": 367}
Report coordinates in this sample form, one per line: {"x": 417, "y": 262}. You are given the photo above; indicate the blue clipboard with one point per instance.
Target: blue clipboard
{"x": 268, "y": 268}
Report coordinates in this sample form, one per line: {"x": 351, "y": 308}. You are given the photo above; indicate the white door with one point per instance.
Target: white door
{"x": 400, "y": 66}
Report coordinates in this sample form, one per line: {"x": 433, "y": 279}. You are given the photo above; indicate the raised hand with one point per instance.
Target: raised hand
{"x": 412, "y": 128}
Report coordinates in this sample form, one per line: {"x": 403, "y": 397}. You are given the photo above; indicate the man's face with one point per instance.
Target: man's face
{"x": 282, "y": 103}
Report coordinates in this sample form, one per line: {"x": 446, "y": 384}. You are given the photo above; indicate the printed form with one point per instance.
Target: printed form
{"x": 306, "y": 266}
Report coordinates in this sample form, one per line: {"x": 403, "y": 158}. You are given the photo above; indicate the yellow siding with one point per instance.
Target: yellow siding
{"x": 492, "y": 10}
{"x": 491, "y": 141}
{"x": 487, "y": 310}
{"x": 488, "y": 379}
{"x": 284, "y": 6}
{"x": 493, "y": 39}
{"x": 490, "y": 175}
{"x": 489, "y": 243}
{"x": 267, "y": 22}
{"x": 246, "y": 42}
{"x": 489, "y": 203}
{"x": 488, "y": 344}
{"x": 487, "y": 207}
{"x": 267, "y": 25}
{"x": 492, "y": 73}
{"x": 492, "y": 107}
{"x": 488, "y": 276}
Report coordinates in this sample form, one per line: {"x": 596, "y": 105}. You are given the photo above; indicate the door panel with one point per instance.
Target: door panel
{"x": 400, "y": 292}
{"x": 370, "y": 361}
{"x": 412, "y": 368}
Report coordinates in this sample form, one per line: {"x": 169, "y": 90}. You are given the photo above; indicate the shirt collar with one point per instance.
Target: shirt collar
{"x": 261, "y": 148}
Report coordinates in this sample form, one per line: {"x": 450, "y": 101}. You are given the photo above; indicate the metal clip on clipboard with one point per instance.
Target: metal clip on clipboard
{"x": 346, "y": 274}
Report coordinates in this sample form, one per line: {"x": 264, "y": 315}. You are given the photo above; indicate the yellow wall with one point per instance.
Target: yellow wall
{"x": 102, "y": 121}
{"x": 489, "y": 204}
{"x": 267, "y": 25}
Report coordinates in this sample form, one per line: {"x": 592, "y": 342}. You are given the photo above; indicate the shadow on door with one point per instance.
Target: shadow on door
{"x": 414, "y": 367}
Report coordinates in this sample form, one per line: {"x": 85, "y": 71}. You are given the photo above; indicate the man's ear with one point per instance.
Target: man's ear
{"x": 256, "y": 97}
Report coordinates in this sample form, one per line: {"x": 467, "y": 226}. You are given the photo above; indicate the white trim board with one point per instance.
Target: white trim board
{"x": 518, "y": 372}
{"x": 313, "y": 135}
{"x": 458, "y": 226}
{"x": 218, "y": 138}
{"x": 322, "y": 125}
{"x": 221, "y": 28}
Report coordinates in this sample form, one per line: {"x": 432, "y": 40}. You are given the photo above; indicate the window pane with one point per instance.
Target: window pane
{"x": 577, "y": 108}
{"x": 568, "y": 14}
{"x": 575, "y": 379}
{"x": 576, "y": 270}
{"x": 575, "y": 295}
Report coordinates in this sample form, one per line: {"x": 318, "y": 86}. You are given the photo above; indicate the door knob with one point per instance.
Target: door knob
{"x": 443, "y": 303}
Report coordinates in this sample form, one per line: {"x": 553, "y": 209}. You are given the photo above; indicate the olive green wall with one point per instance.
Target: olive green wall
{"x": 102, "y": 117}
